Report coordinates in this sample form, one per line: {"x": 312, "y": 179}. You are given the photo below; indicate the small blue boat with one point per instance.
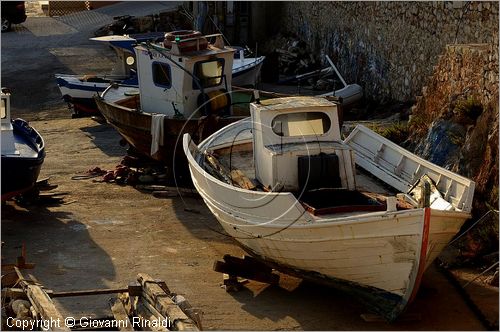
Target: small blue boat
{"x": 23, "y": 152}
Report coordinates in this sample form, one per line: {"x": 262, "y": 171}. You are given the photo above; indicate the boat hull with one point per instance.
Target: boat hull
{"x": 19, "y": 175}
{"x": 20, "y": 172}
{"x": 81, "y": 93}
{"x": 135, "y": 127}
{"x": 378, "y": 258}
{"x": 247, "y": 74}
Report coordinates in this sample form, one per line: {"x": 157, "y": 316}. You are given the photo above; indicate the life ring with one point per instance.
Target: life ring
{"x": 179, "y": 35}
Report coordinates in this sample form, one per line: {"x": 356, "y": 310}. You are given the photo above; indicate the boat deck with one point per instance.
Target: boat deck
{"x": 370, "y": 194}
{"x": 114, "y": 95}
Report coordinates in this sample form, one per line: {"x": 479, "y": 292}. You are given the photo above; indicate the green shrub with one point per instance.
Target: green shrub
{"x": 470, "y": 107}
{"x": 398, "y": 132}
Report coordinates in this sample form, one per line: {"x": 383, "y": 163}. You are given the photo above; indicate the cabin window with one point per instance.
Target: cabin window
{"x": 4, "y": 108}
{"x": 209, "y": 73}
{"x": 161, "y": 75}
{"x": 301, "y": 124}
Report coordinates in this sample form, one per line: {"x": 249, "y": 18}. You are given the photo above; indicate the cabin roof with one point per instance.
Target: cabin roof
{"x": 278, "y": 104}
{"x": 210, "y": 50}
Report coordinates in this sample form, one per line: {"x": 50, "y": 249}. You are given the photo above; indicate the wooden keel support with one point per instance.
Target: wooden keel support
{"x": 248, "y": 268}
{"x": 44, "y": 305}
{"x": 120, "y": 314}
{"x": 161, "y": 301}
{"x": 147, "y": 317}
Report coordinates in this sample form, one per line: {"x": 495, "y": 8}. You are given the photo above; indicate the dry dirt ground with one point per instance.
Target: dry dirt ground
{"x": 102, "y": 234}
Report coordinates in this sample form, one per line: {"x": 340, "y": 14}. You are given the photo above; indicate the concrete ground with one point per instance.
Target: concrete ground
{"x": 102, "y": 234}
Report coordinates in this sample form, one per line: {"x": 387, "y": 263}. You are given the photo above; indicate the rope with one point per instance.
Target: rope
{"x": 482, "y": 273}
{"x": 473, "y": 225}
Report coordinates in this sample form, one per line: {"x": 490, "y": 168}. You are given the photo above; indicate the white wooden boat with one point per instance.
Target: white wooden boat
{"x": 361, "y": 214}
{"x": 79, "y": 90}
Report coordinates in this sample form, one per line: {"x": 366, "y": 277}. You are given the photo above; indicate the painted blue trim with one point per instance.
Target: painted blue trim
{"x": 64, "y": 83}
{"x": 134, "y": 80}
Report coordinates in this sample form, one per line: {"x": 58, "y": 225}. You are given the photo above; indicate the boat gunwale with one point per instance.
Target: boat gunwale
{"x": 318, "y": 220}
{"x": 340, "y": 220}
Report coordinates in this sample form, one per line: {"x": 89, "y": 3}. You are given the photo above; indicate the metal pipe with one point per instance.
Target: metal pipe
{"x": 336, "y": 70}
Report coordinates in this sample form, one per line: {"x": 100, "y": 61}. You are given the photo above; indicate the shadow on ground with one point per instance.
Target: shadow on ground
{"x": 60, "y": 246}
{"x": 105, "y": 138}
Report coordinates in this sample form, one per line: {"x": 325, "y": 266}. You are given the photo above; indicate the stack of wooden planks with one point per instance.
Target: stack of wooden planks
{"x": 147, "y": 304}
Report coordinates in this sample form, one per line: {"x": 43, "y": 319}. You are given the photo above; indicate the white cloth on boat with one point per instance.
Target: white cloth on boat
{"x": 157, "y": 132}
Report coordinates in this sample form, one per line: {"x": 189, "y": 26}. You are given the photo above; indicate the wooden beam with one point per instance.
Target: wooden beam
{"x": 147, "y": 317}
{"x": 162, "y": 302}
{"x": 89, "y": 292}
{"x": 44, "y": 305}
{"x": 120, "y": 315}
{"x": 248, "y": 268}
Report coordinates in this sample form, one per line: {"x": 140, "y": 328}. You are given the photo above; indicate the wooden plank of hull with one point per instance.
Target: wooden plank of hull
{"x": 135, "y": 128}
{"x": 383, "y": 275}
{"x": 380, "y": 301}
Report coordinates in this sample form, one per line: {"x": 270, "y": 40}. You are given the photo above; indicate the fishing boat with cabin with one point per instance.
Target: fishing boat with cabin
{"x": 361, "y": 214}
{"x": 184, "y": 87}
{"x": 79, "y": 90}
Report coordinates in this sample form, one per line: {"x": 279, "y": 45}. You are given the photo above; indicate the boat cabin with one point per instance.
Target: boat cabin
{"x": 298, "y": 147}
{"x": 8, "y": 142}
{"x": 184, "y": 73}
{"x": 123, "y": 45}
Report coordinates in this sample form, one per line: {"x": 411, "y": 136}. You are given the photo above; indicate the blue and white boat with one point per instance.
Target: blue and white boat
{"x": 23, "y": 152}
{"x": 79, "y": 90}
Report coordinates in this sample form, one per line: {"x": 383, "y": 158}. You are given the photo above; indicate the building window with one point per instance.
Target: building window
{"x": 209, "y": 73}
{"x": 161, "y": 75}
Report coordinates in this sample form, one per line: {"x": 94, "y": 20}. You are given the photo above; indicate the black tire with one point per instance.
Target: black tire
{"x": 6, "y": 24}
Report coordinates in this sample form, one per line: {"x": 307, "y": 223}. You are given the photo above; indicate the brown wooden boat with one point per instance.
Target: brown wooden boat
{"x": 135, "y": 127}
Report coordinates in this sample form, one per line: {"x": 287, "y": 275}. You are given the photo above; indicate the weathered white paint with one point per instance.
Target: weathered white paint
{"x": 182, "y": 95}
{"x": 275, "y": 156}
{"x": 246, "y": 71}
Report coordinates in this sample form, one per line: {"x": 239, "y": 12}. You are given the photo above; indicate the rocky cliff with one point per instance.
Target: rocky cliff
{"x": 455, "y": 124}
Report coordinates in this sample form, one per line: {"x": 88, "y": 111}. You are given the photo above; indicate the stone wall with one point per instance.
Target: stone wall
{"x": 389, "y": 48}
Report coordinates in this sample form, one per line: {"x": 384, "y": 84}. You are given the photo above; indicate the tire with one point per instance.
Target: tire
{"x": 6, "y": 24}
